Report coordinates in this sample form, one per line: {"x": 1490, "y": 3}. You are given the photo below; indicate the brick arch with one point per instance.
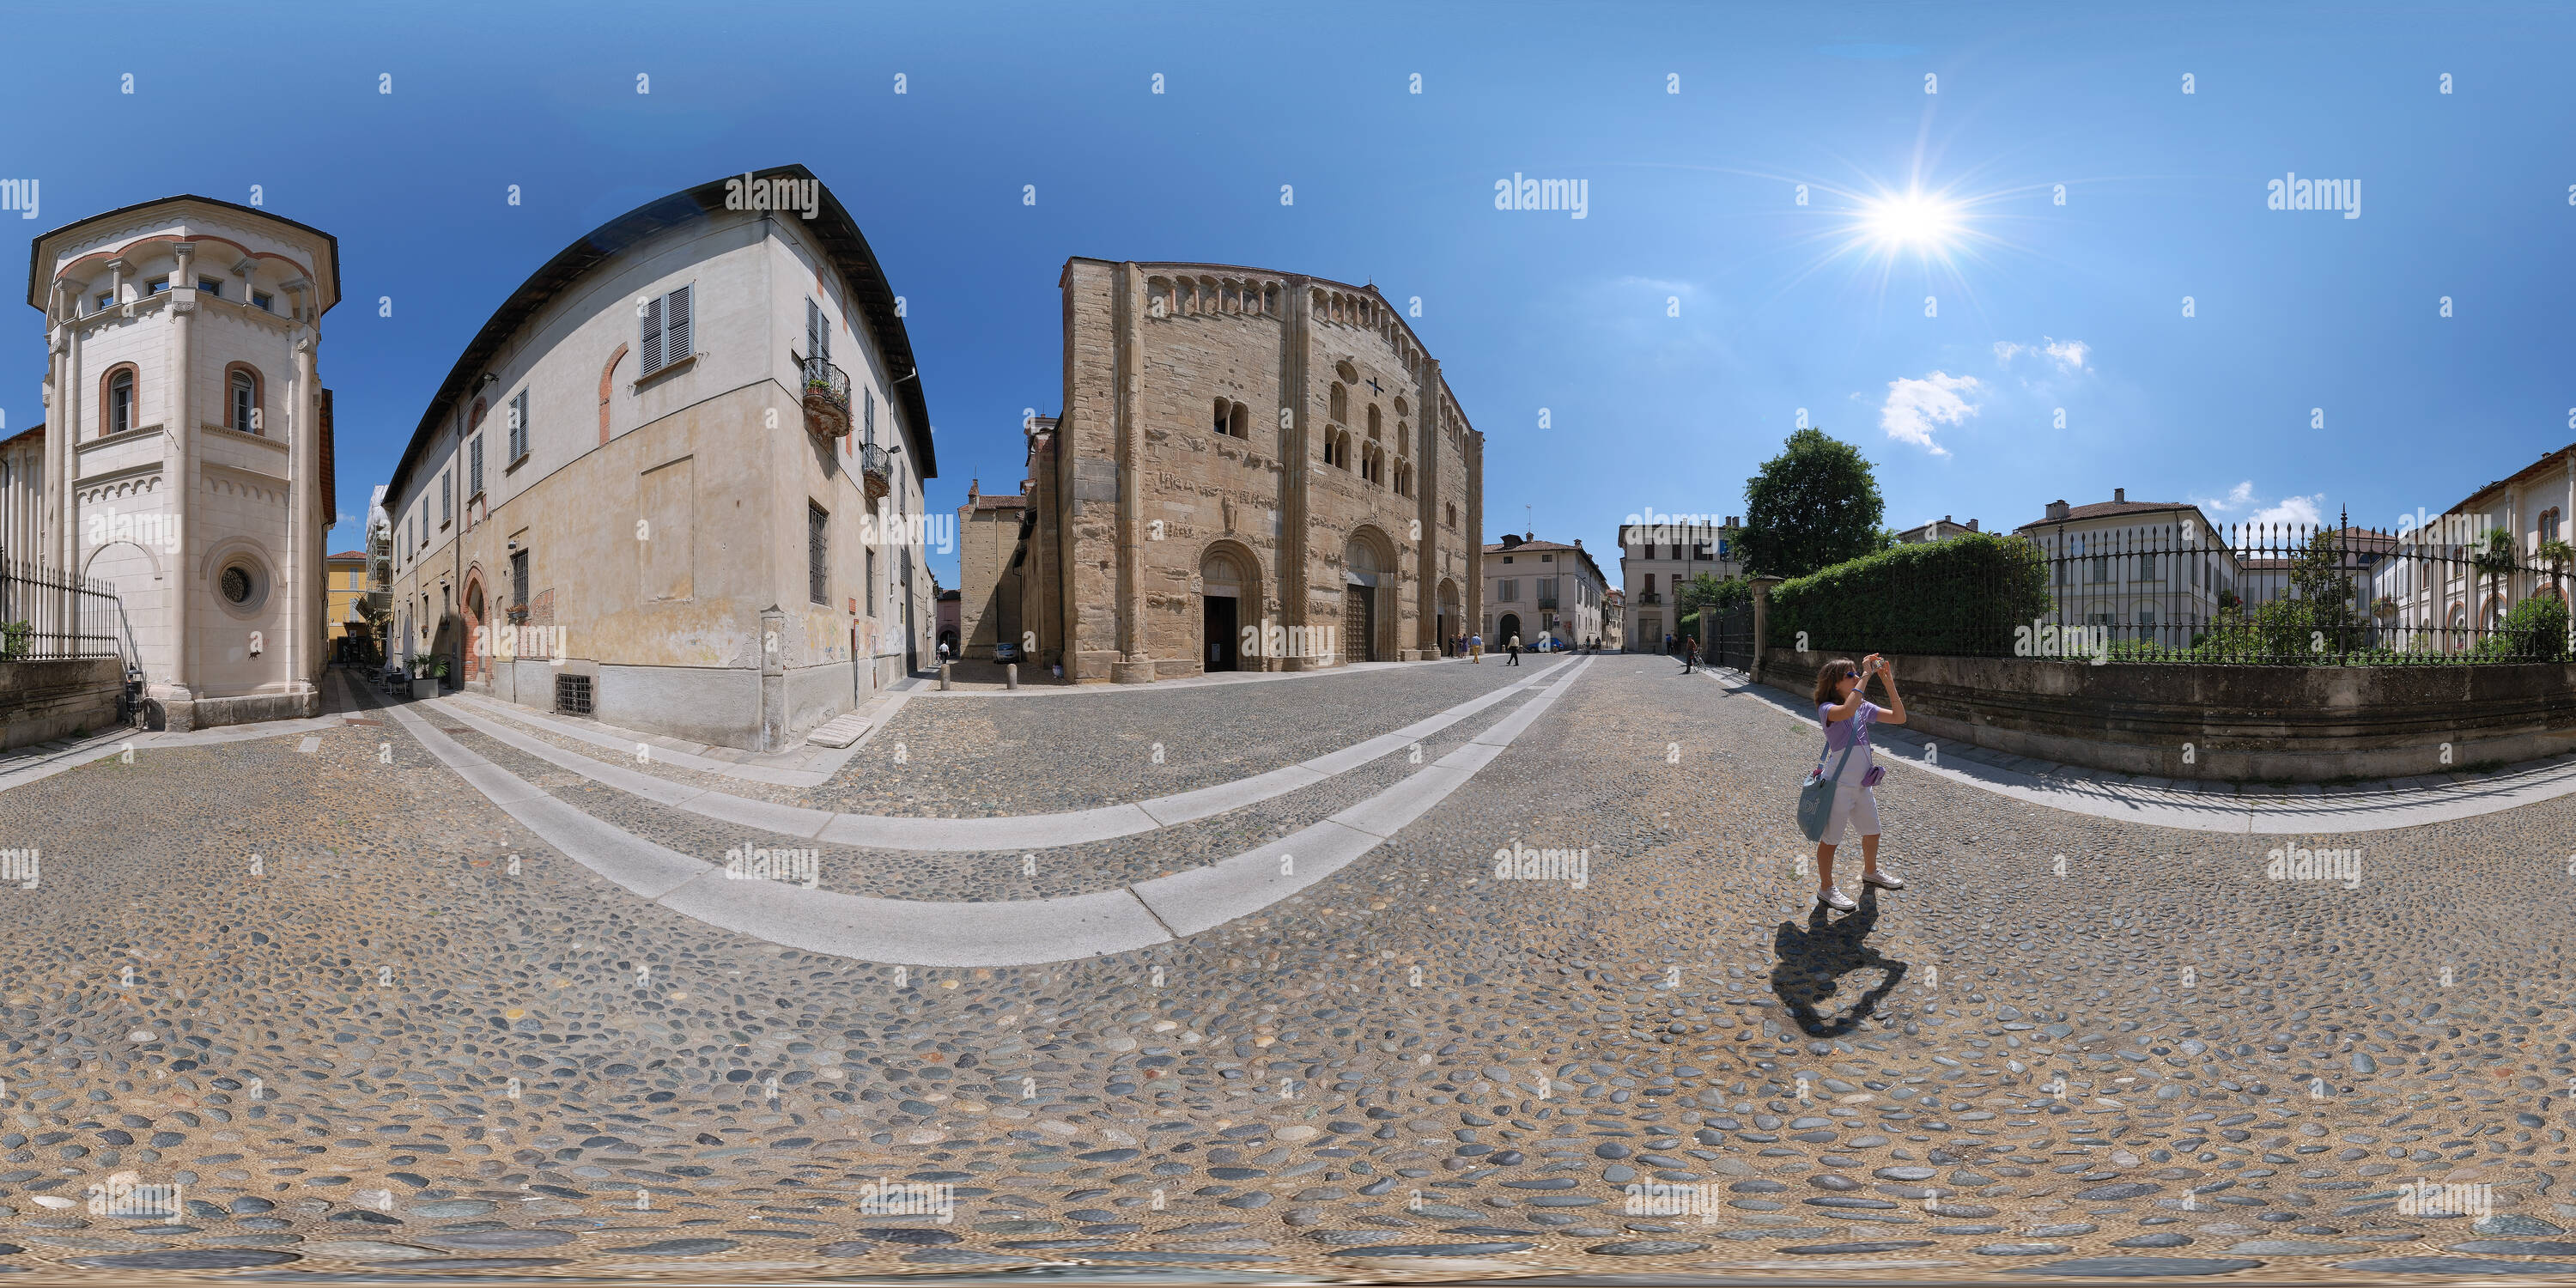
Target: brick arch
{"x": 607, "y": 382}
{"x": 476, "y": 605}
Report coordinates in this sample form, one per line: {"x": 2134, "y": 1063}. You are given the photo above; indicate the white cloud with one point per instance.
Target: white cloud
{"x": 2240, "y": 499}
{"x": 2237, "y": 498}
{"x": 2293, "y": 509}
{"x": 2070, "y": 356}
{"x": 1915, "y": 408}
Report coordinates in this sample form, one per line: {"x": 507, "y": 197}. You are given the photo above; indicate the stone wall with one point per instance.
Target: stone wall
{"x": 2239, "y": 723}
{"x": 40, "y": 701}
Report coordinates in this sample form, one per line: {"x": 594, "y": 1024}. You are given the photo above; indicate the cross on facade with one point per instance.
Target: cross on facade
{"x": 1373, "y": 389}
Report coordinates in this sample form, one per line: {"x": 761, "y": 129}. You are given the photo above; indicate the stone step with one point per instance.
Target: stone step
{"x": 839, "y": 731}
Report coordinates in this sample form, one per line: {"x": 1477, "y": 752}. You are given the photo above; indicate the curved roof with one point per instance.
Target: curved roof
{"x": 832, "y": 226}
{"x": 37, "y": 279}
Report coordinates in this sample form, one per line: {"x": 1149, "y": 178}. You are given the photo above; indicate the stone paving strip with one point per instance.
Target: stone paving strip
{"x": 803, "y": 766}
{"x": 1015, "y": 832}
{"x": 2206, "y": 807}
{"x": 1034, "y": 684}
{"x": 1004, "y": 933}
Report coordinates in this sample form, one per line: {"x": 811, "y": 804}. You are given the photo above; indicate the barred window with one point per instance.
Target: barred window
{"x": 519, "y": 426}
{"x": 818, "y": 535}
{"x": 518, "y": 579}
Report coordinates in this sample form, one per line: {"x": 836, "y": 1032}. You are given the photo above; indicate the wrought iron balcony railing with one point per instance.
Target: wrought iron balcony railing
{"x": 827, "y": 399}
{"x": 876, "y": 469}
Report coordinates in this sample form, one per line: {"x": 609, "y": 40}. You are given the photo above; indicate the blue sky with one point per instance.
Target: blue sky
{"x": 1691, "y": 197}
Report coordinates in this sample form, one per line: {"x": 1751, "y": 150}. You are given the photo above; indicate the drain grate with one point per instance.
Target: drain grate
{"x": 572, "y": 695}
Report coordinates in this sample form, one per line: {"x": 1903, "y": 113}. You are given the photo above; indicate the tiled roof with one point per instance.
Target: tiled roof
{"x": 2109, "y": 509}
{"x": 348, "y": 554}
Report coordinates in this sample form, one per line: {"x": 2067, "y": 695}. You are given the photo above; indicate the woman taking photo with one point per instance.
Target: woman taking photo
{"x": 1847, "y": 715}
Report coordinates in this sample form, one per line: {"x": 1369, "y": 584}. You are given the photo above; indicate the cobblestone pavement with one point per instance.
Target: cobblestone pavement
{"x": 364, "y": 1024}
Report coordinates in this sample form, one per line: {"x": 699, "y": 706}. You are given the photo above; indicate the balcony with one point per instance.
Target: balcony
{"x": 827, "y": 399}
{"x": 1547, "y": 601}
{"x": 876, "y": 470}
{"x": 1650, "y": 597}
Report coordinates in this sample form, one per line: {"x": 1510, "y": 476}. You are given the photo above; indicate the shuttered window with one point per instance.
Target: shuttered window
{"x": 667, "y": 332}
{"x": 474, "y": 466}
{"x": 817, "y": 554}
{"x": 519, "y": 425}
{"x": 818, "y": 332}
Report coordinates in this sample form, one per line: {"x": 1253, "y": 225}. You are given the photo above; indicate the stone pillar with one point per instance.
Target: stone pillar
{"x": 1474, "y": 549}
{"x": 1135, "y": 664}
{"x": 304, "y": 550}
{"x": 1426, "y": 484}
{"x": 179, "y": 470}
{"x": 1761, "y": 624}
{"x": 1296, "y": 457}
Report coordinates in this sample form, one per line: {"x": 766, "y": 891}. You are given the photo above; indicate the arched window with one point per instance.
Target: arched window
{"x": 1224, "y": 414}
{"x": 241, "y": 402}
{"x": 118, "y": 414}
{"x": 1373, "y": 421}
{"x": 1403, "y": 440}
{"x": 1338, "y": 404}
{"x": 1240, "y": 423}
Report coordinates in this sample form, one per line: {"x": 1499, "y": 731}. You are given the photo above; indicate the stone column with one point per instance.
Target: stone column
{"x": 1135, "y": 664}
{"x": 179, "y": 470}
{"x": 1426, "y": 484}
{"x": 304, "y": 550}
{"x": 1761, "y": 624}
{"x": 1474, "y": 548}
{"x": 1296, "y": 457}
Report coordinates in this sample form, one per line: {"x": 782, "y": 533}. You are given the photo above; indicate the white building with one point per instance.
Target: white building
{"x": 1940, "y": 529}
{"x": 1540, "y": 590}
{"x": 2429, "y": 585}
{"x": 675, "y": 482}
{"x": 189, "y": 430}
{"x": 1657, "y": 558}
{"x": 2143, "y": 565}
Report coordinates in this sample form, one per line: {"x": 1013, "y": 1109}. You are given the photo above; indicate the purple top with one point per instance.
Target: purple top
{"x": 1842, "y": 733}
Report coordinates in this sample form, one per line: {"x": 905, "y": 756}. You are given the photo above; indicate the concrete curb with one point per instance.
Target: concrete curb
{"x": 1013, "y": 832}
{"x": 1019, "y": 932}
{"x": 2367, "y": 807}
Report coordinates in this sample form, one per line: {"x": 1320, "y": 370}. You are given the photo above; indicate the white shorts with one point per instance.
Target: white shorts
{"x": 1853, "y": 803}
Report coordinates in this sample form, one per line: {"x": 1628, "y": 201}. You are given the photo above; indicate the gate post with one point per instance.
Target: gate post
{"x": 1761, "y": 624}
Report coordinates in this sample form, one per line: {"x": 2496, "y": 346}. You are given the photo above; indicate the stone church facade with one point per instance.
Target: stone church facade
{"x": 1251, "y": 470}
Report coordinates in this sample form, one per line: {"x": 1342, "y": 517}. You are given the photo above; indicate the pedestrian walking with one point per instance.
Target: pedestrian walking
{"x": 1476, "y": 649}
{"x": 1690, "y": 652}
{"x": 1515, "y": 647}
{"x": 1668, "y": 643}
{"x": 1847, "y": 715}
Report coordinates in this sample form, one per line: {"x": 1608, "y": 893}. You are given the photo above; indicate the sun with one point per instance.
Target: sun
{"x": 1912, "y": 219}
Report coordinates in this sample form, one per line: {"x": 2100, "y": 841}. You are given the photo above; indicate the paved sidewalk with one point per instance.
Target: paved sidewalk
{"x": 984, "y": 679}
{"x": 972, "y": 835}
{"x": 2253, "y": 809}
{"x": 1015, "y": 932}
{"x": 43, "y": 760}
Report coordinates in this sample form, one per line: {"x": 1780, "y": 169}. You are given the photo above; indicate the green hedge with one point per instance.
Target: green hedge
{"x": 1961, "y": 596}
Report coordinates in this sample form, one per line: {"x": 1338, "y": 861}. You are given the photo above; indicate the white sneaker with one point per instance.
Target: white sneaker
{"x": 1883, "y": 881}
{"x": 1836, "y": 900}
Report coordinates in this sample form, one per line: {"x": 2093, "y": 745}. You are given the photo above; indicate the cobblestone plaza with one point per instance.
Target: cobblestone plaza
{"x": 360, "y": 1009}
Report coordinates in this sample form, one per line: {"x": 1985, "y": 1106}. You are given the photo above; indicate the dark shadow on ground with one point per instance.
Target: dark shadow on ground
{"x": 1813, "y": 957}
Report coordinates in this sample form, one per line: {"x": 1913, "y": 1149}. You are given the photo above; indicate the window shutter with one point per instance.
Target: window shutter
{"x": 675, "y": 327}
{"x": 651, "y": 347}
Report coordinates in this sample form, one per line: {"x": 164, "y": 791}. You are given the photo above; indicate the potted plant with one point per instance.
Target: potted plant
{"x": 424, "y": 680}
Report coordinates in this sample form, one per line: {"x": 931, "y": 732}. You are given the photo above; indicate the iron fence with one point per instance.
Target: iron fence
{"x": 47, "y": 614}
{"x": 2167, "y": 589}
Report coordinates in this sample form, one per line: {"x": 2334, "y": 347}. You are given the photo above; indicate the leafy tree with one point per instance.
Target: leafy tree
{"x": 2558, "y": 555}
{"x": 1814, "y": 505}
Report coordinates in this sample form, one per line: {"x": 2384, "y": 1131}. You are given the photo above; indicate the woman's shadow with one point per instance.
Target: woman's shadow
{"x": 1813, "y": 957}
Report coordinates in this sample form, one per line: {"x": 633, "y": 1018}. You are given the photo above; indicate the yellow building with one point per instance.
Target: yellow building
{"x": 345, "y": 585}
